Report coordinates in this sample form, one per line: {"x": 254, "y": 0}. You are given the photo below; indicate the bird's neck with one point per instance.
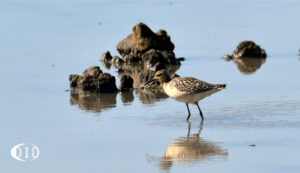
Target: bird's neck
{"x": 164, "y": 85}
{"x": 166, "y": 79}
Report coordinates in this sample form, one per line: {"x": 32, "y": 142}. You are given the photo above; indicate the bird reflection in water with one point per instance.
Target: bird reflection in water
{"x": 247, "y": 65}
{"x": 93, "y": 102}
{"x": 189, "y": 150}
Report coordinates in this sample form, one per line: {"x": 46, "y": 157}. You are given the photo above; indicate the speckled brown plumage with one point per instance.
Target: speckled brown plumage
{"x": 191, "y": 85}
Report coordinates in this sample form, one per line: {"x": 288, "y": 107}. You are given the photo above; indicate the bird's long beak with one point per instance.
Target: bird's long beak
{"x": 149, "y": 81}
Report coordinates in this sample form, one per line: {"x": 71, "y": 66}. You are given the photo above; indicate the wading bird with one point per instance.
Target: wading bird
{"x": 188, "y": 90}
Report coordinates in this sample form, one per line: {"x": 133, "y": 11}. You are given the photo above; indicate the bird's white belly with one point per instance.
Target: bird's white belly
{"x": 174, "y": 93}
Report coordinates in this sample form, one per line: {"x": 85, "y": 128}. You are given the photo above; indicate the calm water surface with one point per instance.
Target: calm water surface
{"x": 43, "y": 42}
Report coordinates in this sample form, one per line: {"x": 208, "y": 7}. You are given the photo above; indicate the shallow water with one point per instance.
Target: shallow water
{"x": 42, "y": 43}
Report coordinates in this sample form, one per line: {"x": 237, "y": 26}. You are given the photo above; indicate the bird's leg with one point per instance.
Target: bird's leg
{"x": 201, "y": 114}
{"x": 187, "y": 105}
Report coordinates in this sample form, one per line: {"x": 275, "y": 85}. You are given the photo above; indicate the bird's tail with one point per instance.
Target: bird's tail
{"x": 221, "y": 86}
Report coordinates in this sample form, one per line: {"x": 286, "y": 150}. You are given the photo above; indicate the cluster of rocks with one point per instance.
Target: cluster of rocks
{"x": 144, "y": 45}
{"x": 248, "y": 57}
{"x": 144, "y": 52}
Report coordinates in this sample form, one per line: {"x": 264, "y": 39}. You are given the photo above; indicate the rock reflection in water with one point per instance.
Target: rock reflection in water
{"x": 191, "y": 149}
{"x": 127, "y": 97}
{"x": 94, "y": 102}
{"x": 151, "y": 96}
{"x": 248, "y": 65}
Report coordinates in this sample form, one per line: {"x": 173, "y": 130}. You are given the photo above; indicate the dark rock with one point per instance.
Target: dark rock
{"x": 249, "y": 49}
{"x": 126, "y": 83}
{"x": 107, "y": 83}
{"x": 106, "y": 56}
{"x": 170, "y": 57}
{"x": 227, "y": 57}
{"x": 117, "y": 61}
{"x": 131, "y": 58}
{"x": 143, "y": 39}
{"x": 93, "y": 71}
{"x": 153, "y": 57}
{"x": 73, "y": 78}
{"x": 94, "y": 80}
{"x": 157, "y": 66}
{"x": 120, "y": 70}
{"x": 180, "y": 59}
{"x": 106, "y": 64}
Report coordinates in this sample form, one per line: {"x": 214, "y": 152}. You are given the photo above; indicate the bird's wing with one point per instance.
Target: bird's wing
{"x": 191, "y": 85}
